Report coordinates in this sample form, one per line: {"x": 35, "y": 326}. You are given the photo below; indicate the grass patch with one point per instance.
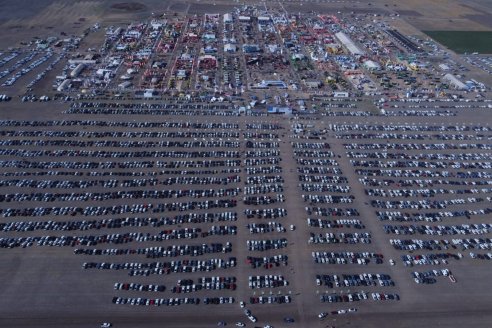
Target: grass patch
{"x": 464, "y": 41}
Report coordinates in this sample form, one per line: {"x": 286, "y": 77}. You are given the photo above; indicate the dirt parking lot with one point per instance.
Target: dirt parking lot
{"x": 50, "y": 280}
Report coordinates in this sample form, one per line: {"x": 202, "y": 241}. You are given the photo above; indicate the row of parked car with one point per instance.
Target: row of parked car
{"x": 267, "y": 281}
{"x": 340, "y": 238}
{"x": 359, "y": 296}
{"x": 11, "y": 80}
{"x": 335, "y": 224}
{"x": 157, "y": 301}
{"x": 462, "y": 229}
{"x": 267, "y": 262}
{"x": 279, "y": 299}
{"x": 116, "y": 223}
{"x": 266, "y": 244}
{"x": 160, "y": 268}
{"x": 347, "y": 280}
{"x": 139, "y": 287}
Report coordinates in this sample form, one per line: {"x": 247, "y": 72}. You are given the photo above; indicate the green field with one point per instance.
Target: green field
{"x": 464, "y": 41}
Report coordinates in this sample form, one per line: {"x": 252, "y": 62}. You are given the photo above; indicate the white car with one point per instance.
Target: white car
{"x": 106, "y": 325}
{"x": 322, "y": 315}
{"x": 241, "y": 304}
{"x": 240, "y": 324}
{"x": 392, "y": 262}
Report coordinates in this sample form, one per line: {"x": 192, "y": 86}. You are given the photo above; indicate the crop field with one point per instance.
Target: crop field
{"x": 464, "y": 41}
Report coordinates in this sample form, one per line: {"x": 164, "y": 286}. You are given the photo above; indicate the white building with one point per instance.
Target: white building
{"x": 81, "y": 61}
{"x": 77, "y": 70}
{"x": 444, "y": 67}
{"x": 64, "y": 85}
{"x": 149, "y": 93}
{"x": 340, "y": 94}
{"x": 454, "y": 82}
{"x": 227, "y": 18}
{"x": 157, "y": 24}
{"x": 371, "y": 65}
{"x": 125, "y": 85}
{"x": 349, "y": 44}
{"x": 229, "y": 47}
{"x": 245, "y": 19}
{"x": 113, "y": 32}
